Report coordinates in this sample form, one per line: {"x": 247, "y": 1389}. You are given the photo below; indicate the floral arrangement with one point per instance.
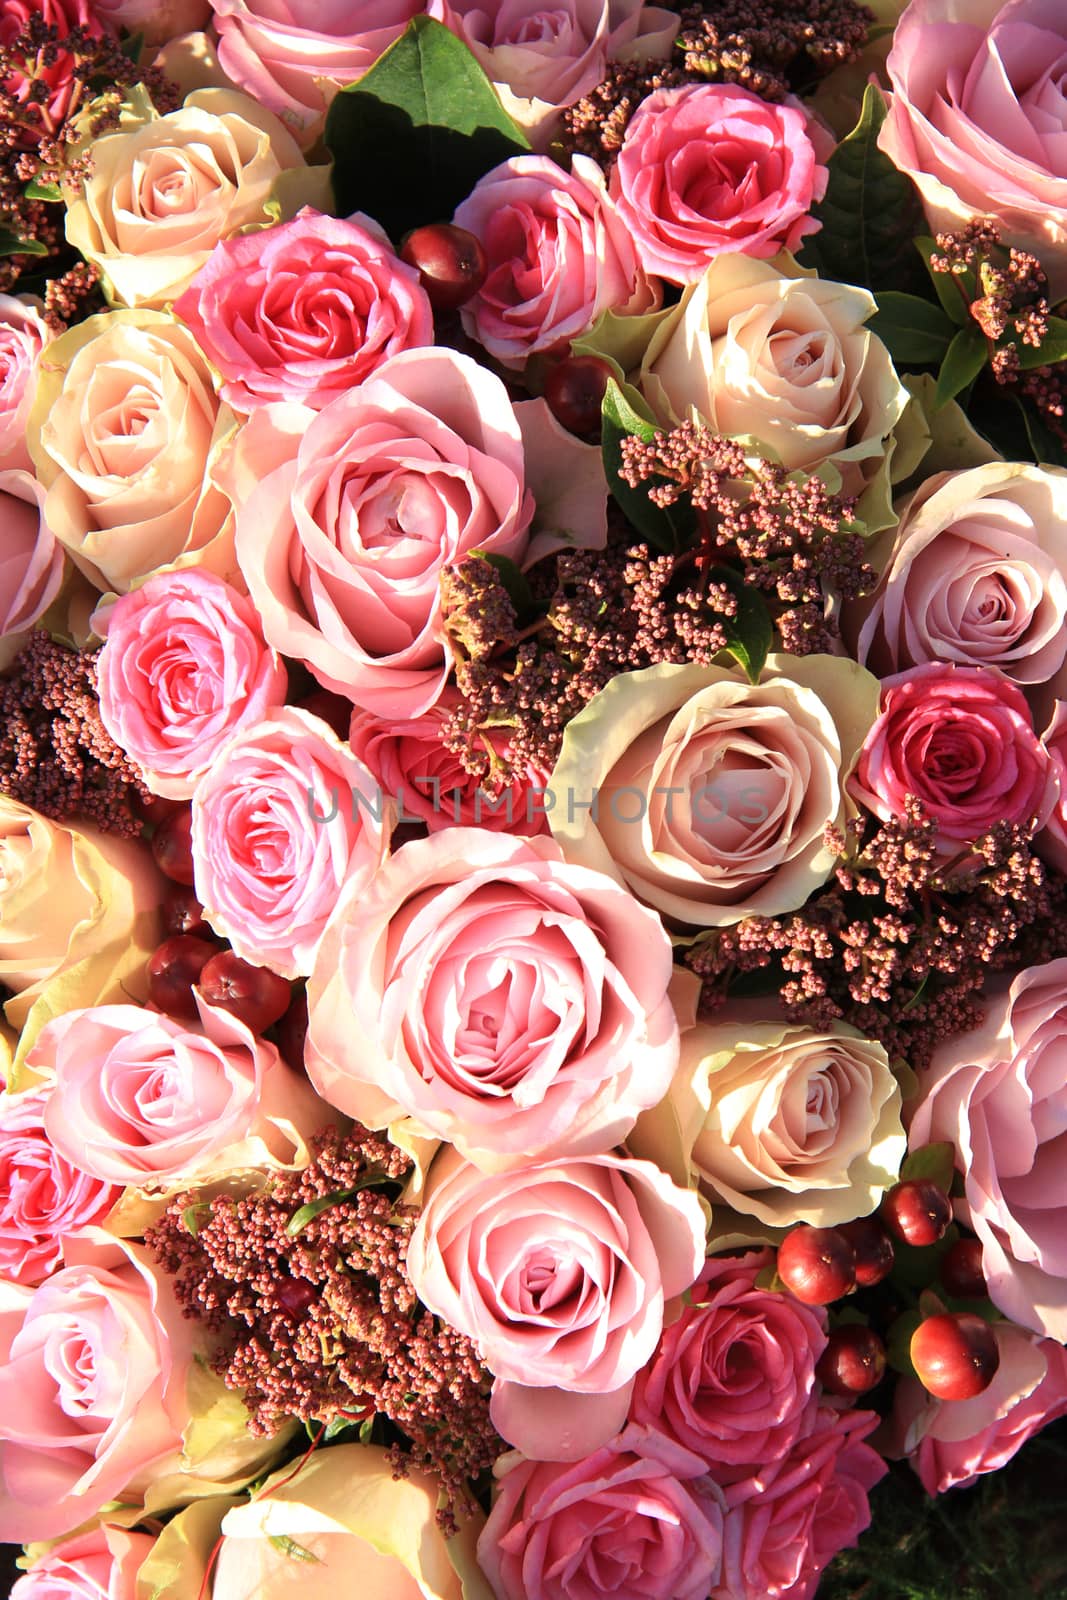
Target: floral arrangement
{"x": 533, "y": 786}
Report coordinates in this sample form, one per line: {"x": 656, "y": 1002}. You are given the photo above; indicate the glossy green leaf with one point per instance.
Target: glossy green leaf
{"x": 933, "y": 1161}
{"x": 915, "y": 332}
{"x": 948, "y": 288}
{"x": 898, "y": 1342}
{"x": 750, "y": 633}
{"x": 664, "y": 527}
{"x": 1053, "y": 347}
{"x": 12, "y": 245}
{"x": 963, "y": 362}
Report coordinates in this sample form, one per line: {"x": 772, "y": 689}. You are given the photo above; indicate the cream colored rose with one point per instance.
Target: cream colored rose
{"x": 124, "y": 432}
{"x": 783, "y": 1124}
{"x": 163, "y": 191}
{"x": 709, "y": 796}
{"x": 760, "y": 352}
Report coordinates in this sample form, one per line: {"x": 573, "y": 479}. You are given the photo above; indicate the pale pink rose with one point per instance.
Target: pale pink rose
{"x": 304, "y": 311}
{"x": 633, "y": 1519}
{"x": 709, "y": 169}
{"x": 962, "y": 741}
{"x": 284, "y": 821}
{"x": 23, "y": 335}
{"x": 952, "y": 1445}
{"x": 784, "y": 1524}
{"x": 293, "y": 55}
{"x": 975, "y": 574}
{"x": 157, "y": 21}
{"x": 733, "y": 1379}
{"x": 31, "y": 561}
{"x": 138, "y": 1097}
{"x": 560, "y": 1274}
{"x": 183, "y": 669}
{"x": 999, "y": 1094}
{"x": 42, "y": 1195}
{"x": 979, "y": 117}
{"x": 1052, "y": 840}
{"x": 100, "y": 1564}
{"x": 347, "y": 518}
{"x": 558, "y": 254}
{"x": 512, "y": 1004}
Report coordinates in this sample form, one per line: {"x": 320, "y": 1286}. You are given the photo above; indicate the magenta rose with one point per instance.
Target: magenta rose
{"x": 286, "y": 819}
{"x": 733, "y": 1379}
{"x": 513, "y": 1004}
{"x": 711, "y": 168}
{"x": 999, "y": 1095}
{"x": 962, "y": 741}
{"x": 42, "y": 1195}
{"x": 632, "y": 1521}
{"x": 558, "y": 254}
{"x": 100, "y": 1564}
{"x": 55, "y": 77}
{"x": 347, "y": 517}
{"x": 31, "y": 559}
{"x": 183, "y": 669}
{"x": 304, "y": 311}
{"x": 23, "y": 335}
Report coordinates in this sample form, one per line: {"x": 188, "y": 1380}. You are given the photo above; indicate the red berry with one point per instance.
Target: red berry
{"x": 172, "y": 971}
{"x": 450, "y": 262}
{"x": 961, "y": 1269}
{"x": 853, "y": 1361}
{"x": 816, "y": 1264}
{"x": 955, "y": 1355}
{"x": 917, "y": 1211}
{"x": 155, "y": 809}
{"x": 292, "y": 1030}
{"x": 172, "y": 846}
{"x": 294, "y": 1295}
{"x": 574, "y": 391}
{"x": 183, "y": 913}
{"x": 873, "y": 1247}
{"x": 255, "y": 995}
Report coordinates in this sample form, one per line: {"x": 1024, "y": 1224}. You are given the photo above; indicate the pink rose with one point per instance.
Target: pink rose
{"x": 961, "y": 740}
{"x": 999, "y": 1094}
{"x": 512, "y": 1004}
{"x": 285, "y": 819}
{"x": 42, "y": 1196}
{"x": 183, "y": 668}
{"x": 304, "y": 311}
{"x": 140, "y": 1098}
{"x": 733, "y": 1378}
{"x": 292, "y": 55}
{"x": 558, "y": 252}
{"x": 630, "y": 1520}
{"x": 709, "y": 169}
{"x": 560, "y": 1274}
{"x": 348, "y": 516}
{"x": 57, "y": 76}
{"x": 979, "y": 115}
{"x": 23, "y": 335}
{"x": 1052, "y": 841}
{"x": 100, "y": 1564}
{"x": 31, "y": 561}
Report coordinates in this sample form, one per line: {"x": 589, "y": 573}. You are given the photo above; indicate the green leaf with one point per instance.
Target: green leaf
{"x": 132, "y": 45}
{"x": 870, "y": 212}
{"x": 307, "y": 1213}
{"x": 289, "y": 1547}
{"x": 194, "y": 1215}
{"x": 1047, "y": 448}
{"x": 898, "y": 1342}
{"x": 916, "y": 333}
{"x": 665, "y": 527}
{"x": 1053, "y": 347}
{"x": 43, "y": 191}
{"x": 964, "y": 361}
{"x": 947, "y": 287}
{"x": 412, "y": 137}
{"x": 933, "y": 1161}
{"x": 749, "y": 634}
{"x": 914, "y": 1266}
{"x": 12, "y": 245}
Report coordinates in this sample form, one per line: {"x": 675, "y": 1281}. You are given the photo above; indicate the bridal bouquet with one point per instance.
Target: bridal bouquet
{"x": 533, "y": 786}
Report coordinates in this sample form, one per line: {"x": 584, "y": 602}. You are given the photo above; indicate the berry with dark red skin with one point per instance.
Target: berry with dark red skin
{"x": 961, "y": 1270}
{"x": 255, "y": 995}
{"x": 155, "y": 808}
{"x": 183, "y": 913}
{"x": 873, "y": 1247}
{"x": 450, "y": 262}
{"x": 172, "y": 971}
{"x": 295, "y": 1295}
{"x": 917, "y": 1211}
{"x": 172, "y": 846}
{"x": 574, "y": 392}
{"x": 854, "y": 1360}
{"x": 955, "y": 1355}
{"x": 816, "y": 1264}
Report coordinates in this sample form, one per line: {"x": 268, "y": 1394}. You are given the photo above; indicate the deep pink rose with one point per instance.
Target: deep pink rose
{"x": 979, "y": 117}
{"x": 712, "y": 168}
{"x": 98, "y": 1565}
{"x": 631, "y": 1521}
{"x": 183, "y": 669}
{"x": 42, "y": 1195}
{"x": 286, "y": 819}
{"x": 1052, "y": 841}
{"x": 558, "y": 256}
{"x": 23, "y": 335}
{"x": 304, "y": 311}
{"x": 58, "y": 75}
{"x": 292, "y": 55}
{"x": 512, "y": 1004}
{"x": 31, "y": 559}
{"x": 347, "y": 517}
{"x": 784, "y": 1524}
{"x": 999, "y": 1094}
{"x": 960, "y": 739}
{"x": 733, "y": 1378}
